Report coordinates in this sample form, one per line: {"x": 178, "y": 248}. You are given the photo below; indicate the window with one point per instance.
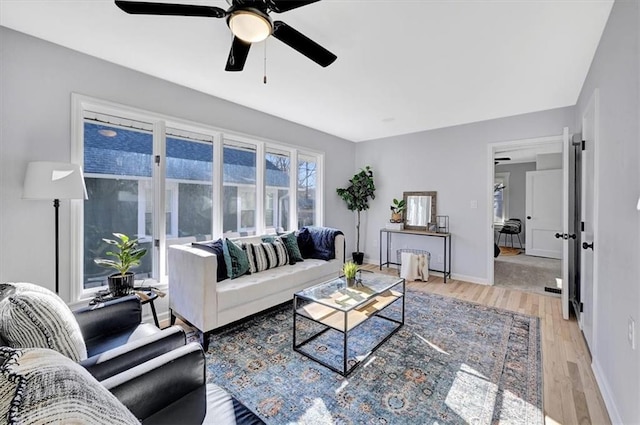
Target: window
{"x": 117, "y": 166}
{"x": 307, "y": 179}
{"x": 277, "y": 197}
{"x": 500, "y": 198}
{"x": 239, "y": 200}
{"x": 188, "y": 185}
{"x": 166, "y": 181}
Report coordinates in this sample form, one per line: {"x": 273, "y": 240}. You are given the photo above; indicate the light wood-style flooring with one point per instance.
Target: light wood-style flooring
{"x": 571, "y": 395}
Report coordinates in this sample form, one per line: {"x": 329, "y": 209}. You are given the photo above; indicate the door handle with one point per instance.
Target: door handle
{"x": 587, "y": 245}
{"x": 559, "y": 235}
{"x": 528, "y": 217}
{"x": 572, "y": 236}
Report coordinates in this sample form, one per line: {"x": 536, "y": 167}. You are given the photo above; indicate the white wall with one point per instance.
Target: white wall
{"x": 517, "y": 194}
{"x": 615, "y": 71}
{"x": 549, "y": 161}
{"x": 37, "y": 79}
{"x": 452, "y": 161}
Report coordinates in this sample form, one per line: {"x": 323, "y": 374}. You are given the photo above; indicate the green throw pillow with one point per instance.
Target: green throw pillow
{"x": 291, "y": 242}
{"x": 235, "y": 259}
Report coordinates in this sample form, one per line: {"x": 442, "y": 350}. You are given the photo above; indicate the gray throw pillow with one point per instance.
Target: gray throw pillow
{"x": 40, "y": 386}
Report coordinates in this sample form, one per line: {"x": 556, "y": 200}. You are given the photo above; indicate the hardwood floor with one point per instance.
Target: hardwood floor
{"x": 571, "y": 395}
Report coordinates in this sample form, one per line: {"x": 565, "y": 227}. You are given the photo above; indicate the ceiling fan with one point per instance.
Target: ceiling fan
{"x": 501, "y": 158}
{"x": 249, "y": 22}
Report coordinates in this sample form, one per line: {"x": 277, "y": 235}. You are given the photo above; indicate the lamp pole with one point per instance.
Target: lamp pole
{"x": 56, "y": 206}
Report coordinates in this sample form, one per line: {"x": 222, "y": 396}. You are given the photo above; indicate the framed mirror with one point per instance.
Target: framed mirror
{"x": 420, "y": 212}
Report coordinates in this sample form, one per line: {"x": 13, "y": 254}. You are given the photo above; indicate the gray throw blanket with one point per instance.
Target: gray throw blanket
{"x": 323, "y": 242}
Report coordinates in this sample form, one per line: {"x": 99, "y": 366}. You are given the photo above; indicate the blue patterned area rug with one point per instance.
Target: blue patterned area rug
{"x": 452, "y": 362}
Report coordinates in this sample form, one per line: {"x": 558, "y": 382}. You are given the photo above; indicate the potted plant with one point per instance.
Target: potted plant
{"x": 127, "y": 256}
{"x": 350, "y": 269}
{"x": 356, "y": 195}
{"x": 397, "y": 208}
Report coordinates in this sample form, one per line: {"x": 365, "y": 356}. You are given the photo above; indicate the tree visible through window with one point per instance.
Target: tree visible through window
{"x": 307, "y": 175}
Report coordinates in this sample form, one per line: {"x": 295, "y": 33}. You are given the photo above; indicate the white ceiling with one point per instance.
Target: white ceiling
{"x": 403, "y": 65}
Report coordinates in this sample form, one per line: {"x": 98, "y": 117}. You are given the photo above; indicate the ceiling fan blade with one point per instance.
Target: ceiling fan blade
{"x": 280, "y": 6}
{"x": 237, "y": 55}
{"x": 302, "y": 44}
{"x": 503, "y": 158}
{"x": 146, "y": 8}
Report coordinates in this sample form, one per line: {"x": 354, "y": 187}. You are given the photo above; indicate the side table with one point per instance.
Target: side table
{"x": 146, "y": 296}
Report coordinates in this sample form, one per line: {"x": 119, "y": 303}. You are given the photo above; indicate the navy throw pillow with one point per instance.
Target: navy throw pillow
{"x": 305, "y": 243}
{"x": 216, "y": 248}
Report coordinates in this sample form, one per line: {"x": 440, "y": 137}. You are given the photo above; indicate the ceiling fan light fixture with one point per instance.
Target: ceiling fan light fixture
{"x": 250, "y": 25}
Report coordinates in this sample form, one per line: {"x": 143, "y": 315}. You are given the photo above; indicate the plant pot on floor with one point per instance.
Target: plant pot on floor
{"x": 120, "y": 285}
{"x": 358, "y": 257}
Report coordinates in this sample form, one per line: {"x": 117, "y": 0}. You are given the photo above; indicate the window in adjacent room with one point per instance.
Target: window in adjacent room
{"x": 500, "y": 198}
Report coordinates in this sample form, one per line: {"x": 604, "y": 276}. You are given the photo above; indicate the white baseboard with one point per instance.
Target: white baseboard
{"x": 606, "y": 393}
{"x": 470, "y": 279}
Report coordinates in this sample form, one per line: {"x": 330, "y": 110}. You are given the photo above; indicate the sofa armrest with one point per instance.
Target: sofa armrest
{"x": 152, "y": 386}
{"x": 340, "y": 248}
{"x": 109, "y": 317}
{"x": 192, "y": 285}
{"x": 120, "y": 359}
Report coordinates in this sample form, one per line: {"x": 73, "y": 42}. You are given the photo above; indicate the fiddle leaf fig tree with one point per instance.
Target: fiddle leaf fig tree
{"x": 356, "y": 195}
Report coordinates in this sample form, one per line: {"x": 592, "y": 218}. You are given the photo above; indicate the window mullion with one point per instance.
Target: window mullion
{"x": 260, "y": 189}
{"x": 159, "y": 222}
{"x": 293, "y": 190}
{"x": 217, "y": 186}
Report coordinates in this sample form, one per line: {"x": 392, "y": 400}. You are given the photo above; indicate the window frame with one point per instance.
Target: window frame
{"x": 502, "y": 177}
{"x": 80, "y": 104}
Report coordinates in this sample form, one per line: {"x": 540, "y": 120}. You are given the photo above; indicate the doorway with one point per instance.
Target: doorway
{"x": 536, "y": 265}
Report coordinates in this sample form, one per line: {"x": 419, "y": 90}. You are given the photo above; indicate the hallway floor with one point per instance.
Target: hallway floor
{"x": 527, "y": 273}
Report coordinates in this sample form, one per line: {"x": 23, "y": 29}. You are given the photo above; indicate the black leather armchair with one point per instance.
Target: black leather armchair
{"x": 172, "y": 389}
{"x": 117, "y": 340}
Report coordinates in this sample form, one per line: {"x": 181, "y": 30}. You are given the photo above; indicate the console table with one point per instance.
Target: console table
{"x": 446, "y": 248}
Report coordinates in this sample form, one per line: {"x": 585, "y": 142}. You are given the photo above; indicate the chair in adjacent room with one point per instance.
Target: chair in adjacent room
{"x": 512, "y": 226}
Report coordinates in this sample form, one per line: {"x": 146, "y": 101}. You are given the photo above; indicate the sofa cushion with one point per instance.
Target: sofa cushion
{"x": 42, "y": 386}
{"x": 233, "y": 293}
{"x": 235, "y": 258}
{"x": 45, "y": 321}
{"x": 215, "y": 247}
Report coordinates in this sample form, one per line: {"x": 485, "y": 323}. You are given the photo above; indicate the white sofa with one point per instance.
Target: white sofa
{"x": 197, "y": 297}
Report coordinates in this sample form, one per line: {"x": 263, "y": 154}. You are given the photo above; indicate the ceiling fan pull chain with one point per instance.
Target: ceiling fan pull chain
{"x": 264, "y": 79}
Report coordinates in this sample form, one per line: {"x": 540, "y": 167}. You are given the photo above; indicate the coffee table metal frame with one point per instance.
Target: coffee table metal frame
{"x": 374, "y": 301}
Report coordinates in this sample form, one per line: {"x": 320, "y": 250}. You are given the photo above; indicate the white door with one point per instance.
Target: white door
{"x": 564, "y": 284}
{"x": 543, "y": 208}
{"x": 587, "y": 281}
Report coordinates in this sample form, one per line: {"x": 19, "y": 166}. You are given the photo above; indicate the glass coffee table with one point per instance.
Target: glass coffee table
{"x": 342, "y": 325}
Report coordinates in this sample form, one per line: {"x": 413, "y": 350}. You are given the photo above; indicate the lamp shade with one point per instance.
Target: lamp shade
{"x": 54, "y": 180}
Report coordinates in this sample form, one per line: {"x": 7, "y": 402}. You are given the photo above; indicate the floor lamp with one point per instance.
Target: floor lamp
{"x": 54, "y": 180}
